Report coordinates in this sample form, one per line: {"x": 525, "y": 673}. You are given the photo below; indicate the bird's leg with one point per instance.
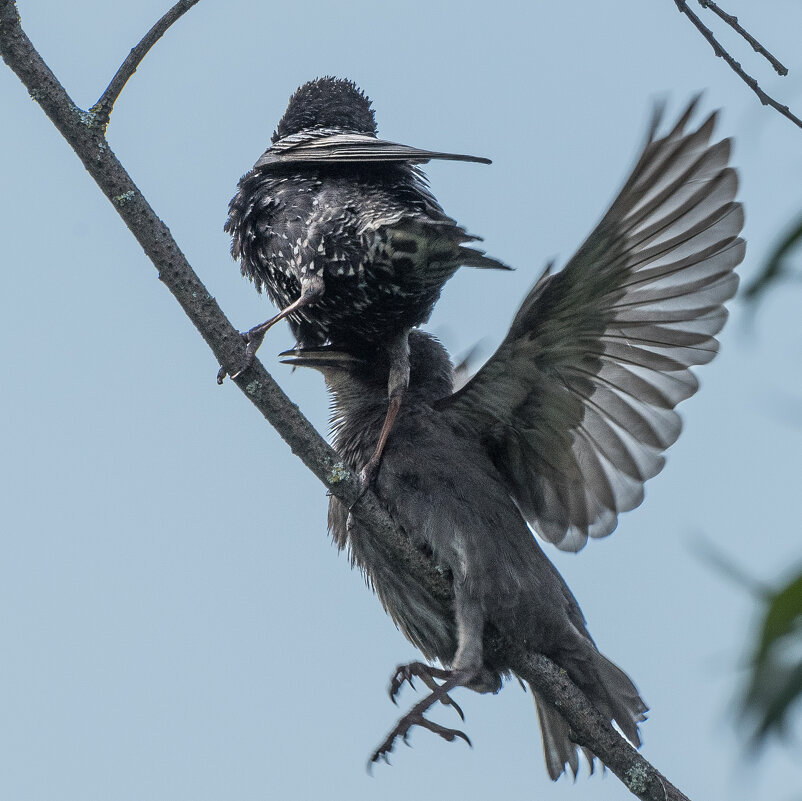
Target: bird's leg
{"x": 415, "y": 716}
{"x": 396, "y": 388}
{"x": 311, "y": 290}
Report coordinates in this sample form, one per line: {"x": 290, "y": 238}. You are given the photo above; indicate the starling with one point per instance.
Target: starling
{"x": 556, "y": 433}
{"x": 342, "y": 231}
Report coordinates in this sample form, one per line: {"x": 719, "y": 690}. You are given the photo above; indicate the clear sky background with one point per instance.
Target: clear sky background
{"x": 174, "y": 622}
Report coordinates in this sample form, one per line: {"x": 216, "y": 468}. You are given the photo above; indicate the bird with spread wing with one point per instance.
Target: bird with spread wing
{"x": 556, "y": 433}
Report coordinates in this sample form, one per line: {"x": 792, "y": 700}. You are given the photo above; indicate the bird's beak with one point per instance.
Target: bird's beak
{"x": 322, "y": 358}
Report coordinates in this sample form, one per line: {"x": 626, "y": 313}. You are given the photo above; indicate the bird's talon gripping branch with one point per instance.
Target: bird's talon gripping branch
{"x": 253, "y": 339}
{"x": 367, "y": 476}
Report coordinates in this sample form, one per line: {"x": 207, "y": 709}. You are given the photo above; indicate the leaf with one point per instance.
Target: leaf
{"x": 775, "y": 682}
{"x": 776, "y": 266}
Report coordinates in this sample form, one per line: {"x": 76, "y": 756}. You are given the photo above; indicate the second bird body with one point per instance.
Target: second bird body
{"x": 441, "y": 486}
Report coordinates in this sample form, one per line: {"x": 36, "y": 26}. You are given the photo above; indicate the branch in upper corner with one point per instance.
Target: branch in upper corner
{"x": 751, "y": 82}
{"x": 732, "y": 21}
{"x": 102, "y": 109}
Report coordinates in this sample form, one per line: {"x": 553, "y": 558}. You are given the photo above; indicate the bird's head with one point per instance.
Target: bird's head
{"x": 327, "y": 103}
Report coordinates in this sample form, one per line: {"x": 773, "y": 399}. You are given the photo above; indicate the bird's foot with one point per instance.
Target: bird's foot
{"x": 253, "y": 339}
{"x": 427, "y": 674}
{"x": 368, "y": 474}
{"x": 416, "y": 716}
{"x": 367, "y": 478}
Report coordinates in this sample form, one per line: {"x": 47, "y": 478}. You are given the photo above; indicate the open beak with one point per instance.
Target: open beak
{"x": 324, "y": 357}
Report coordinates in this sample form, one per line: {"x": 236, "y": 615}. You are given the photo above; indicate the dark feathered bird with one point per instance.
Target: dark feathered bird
{"x": 341, "y": 230}
{"x": 559, "y": 430}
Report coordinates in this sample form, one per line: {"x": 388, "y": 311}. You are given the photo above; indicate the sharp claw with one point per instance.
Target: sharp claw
{"x": 362, "y": 490}
{"x": 458, "y": 733}
{"x": 457, "y": 708}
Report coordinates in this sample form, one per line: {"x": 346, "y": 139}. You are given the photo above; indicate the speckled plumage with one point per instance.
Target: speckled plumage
{"x": 330, "y": 200}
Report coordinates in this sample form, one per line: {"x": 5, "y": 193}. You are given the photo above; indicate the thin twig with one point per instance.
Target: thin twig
{"x": 732, "y": 21}
{"x": 102, "y": 109}
{"x": 588, "y": 726}
{"x": 764, "y": 98}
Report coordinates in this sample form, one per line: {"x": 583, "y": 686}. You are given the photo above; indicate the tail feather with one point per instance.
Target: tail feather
{"x": 625, "y": 706}
{"x": 558, "y": 749}
{"x": 614, "y": 695}
{"x": 469, "y": 257}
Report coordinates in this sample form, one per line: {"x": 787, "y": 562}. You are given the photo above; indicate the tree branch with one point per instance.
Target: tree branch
{"x": 80, "y": 129}
{"x": 102, "y": 109}
{"x": 732, "y": 21}
{"x": 751, "y": 82}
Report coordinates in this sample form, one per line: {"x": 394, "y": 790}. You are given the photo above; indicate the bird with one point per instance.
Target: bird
{"x": 341, "y": 230}
{"x": 556, "y": 433}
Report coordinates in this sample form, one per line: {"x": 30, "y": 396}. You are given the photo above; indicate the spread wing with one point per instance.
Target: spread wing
{"x": 577, "y": 404}
{"x": 326, "y": 145}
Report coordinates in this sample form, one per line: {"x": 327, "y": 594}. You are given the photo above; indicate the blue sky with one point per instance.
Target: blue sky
{"x": 175, "y": 623}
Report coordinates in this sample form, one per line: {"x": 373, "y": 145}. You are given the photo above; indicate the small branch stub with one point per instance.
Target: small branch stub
{"x": 101, "y": 111}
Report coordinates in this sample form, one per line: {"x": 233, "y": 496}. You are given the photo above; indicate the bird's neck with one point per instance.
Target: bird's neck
{"x": 357, "y": 417}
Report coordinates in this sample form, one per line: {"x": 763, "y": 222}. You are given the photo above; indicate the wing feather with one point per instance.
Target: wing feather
{"x": 329, "y": 145}
{"x": 577, "y": 405}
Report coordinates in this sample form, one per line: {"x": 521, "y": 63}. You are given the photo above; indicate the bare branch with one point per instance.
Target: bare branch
{"x": 102, "y": 109}
{"x": 79, "y": 128}
{"x": 732, "y": 21}
{"x": 751, "y": 82}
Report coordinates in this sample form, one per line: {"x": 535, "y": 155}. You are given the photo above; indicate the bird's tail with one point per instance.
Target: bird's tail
{"x": 557, "y": 746}
{"x": 471, "y": 257}
{"x": 612, "y": 692}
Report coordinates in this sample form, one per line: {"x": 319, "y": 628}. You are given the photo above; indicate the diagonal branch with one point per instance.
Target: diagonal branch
{"x": 732, "y": 21}
{"x": 102, "y": 109}
{"x": 78, "y": 127}
{"x": 751, "y": 82}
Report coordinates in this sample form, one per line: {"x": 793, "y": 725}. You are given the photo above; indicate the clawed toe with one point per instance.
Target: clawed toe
{"x": 253, "y": 339}
{"x": 367, "y": 475}
{"x": 403, "y": 729}
{"x": 416, "y": 716}
{"x": 427, "y": 674}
